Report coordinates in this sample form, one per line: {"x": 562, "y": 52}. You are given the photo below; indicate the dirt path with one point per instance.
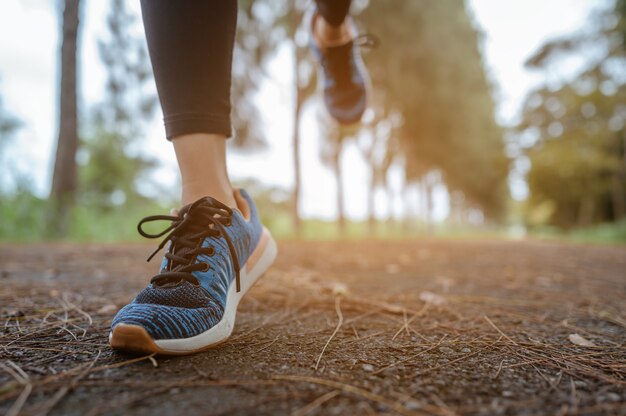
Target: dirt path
{"x": 425, "y": 327}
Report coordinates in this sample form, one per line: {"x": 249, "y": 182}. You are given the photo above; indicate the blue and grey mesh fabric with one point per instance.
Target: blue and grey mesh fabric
{"x": 185, "y": 295}
{"x": 185, "y": 309}
{"x": 345, "y": 85}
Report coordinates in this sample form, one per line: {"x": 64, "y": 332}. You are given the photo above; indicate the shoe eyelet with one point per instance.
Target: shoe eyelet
{"x": 211, "y": 251}
{"x": 205, "y": 267}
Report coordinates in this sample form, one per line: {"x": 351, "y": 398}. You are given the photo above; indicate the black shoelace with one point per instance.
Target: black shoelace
{"x": 367, "y": 41}
{"x": 204, "y": 218}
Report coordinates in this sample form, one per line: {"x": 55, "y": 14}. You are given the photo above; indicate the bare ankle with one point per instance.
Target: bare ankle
{"x": 194, "y": 191}
{"x": 327, "y": 35}
{"x": 202, "y": 162}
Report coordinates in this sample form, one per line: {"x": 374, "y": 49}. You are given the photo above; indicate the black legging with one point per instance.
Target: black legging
{"x": 191, "y": 49}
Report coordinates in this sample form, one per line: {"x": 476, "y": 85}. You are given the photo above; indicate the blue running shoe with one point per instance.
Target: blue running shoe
{"x": 215, "y": 254}
{"x": 345, "y": 78}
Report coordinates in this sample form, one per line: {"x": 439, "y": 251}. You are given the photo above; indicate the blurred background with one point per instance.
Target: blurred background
{"x": 487, "y": 118}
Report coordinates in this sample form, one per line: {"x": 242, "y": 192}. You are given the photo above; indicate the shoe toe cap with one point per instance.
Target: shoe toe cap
{"x": 347, "y": 106}
{"x": 168, "y": 322}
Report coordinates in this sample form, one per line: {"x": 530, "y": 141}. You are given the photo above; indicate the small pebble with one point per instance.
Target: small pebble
{"x": 367, "y": 367}
{"x": 446, "y": 350}
{"x": 466, "y": 350}
{"x": 100, "y": 274}
{"x": 15, "y": 313}
{"x": 50, "y": 273}
{"x": 108, "y": 309}
{"x": 413, "y": 405}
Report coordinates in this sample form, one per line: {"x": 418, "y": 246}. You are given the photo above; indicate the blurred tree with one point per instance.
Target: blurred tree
{"x": 304, "y": 86}
{"x": 333, "y": 139}
{"x": 64, "y": 180}
{"x": 379, "y": 145}
{"x": 262, "y": 27}
{"x": 430, "y": 67}
{"x": 9, "y": 125}
{"x": 129, "y": 101}
{"x": 254, "y": 44}
{"x": 112, "y": 165}
{"x": 273, "y": 205}
{"x": 281, "y": 24}
{"x": 573, "y": 129}
{"x": 304, "y": 80}
{"x": 110, "y": 168}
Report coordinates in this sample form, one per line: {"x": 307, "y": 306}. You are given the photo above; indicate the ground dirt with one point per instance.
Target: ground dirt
{"x": 354, "y": 328}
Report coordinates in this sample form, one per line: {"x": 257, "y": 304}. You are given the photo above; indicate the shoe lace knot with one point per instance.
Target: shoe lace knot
{"x": 186, "y": 233}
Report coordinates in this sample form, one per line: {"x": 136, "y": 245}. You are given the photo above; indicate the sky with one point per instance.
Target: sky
{"x": 512, "y": 30}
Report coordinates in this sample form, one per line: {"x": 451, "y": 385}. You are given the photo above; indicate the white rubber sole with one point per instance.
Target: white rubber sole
{"x": 135, "y": 338}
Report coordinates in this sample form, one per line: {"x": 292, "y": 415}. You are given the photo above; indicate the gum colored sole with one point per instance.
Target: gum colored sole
{"x": 134, "y": 338}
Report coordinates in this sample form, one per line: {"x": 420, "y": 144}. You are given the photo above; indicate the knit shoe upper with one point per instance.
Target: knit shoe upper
{"x": 208, "y": 243}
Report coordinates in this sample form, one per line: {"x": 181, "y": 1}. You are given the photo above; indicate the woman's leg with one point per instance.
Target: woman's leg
{"x": 214, "y": 253}
{"x": 332, "y": 29}
{"x": 334, "y": 11}
{"x": 191, "y": 49}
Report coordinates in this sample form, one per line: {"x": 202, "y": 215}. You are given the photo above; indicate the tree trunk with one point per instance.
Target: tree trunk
{"x": 619, "y": 197}
{"x": 297, "y": 179}
{"x": 390, "y": 206}
{"x": 299, "y": 97}
{"x": 409, "y": 209}
{"x": 341, "y": 212}
{"x": 586, "y": 211}
{"x": 427, "y": 204}
{"x": 64, "y": 180}
{"x": 371, "y": 202}
{"x": 618, "y": 186}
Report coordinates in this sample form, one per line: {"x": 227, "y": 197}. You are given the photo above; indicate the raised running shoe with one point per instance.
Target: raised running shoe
{"x": 345, "y": 78}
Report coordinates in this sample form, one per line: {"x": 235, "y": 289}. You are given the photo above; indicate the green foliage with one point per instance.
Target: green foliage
{"x": 603, "y": 233}
{"x": 9, "y": 125}
{"x": 129, "y": 101}
{"x": 23, "y": 219}
{"x": 273, "y": 204}
{"x": 262, "y": 26}
{"x": 254, "y": 44}
{"x": 109, "y": 177}
{"x": 574, "y": 134}
{"x": 22, "y": 216}
{"x": 109, "y": 170}
{"x": 90, "y": 223}
{"x": 576, "y": 158}
{"x": 429, "y": 69}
